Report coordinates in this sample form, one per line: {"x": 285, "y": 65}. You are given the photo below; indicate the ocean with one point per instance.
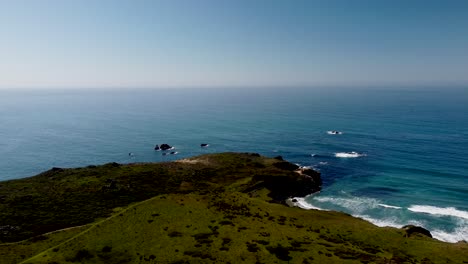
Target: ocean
{"x": 402, "y": 156}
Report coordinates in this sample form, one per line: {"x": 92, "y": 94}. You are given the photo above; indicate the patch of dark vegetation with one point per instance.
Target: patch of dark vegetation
{"x": 179, "y": 262}
{"x": 282, "y": 253}
{"x": 175, "y": 234}
{"x": 252, "y": 247}
{"x": 203, "y": 238}
{"x": 153, "y": 215}
{"x": 39, "y": 238}
{"x": 226, "y": 240}
{"x": 226, "y": 222}
{"x": 296, "y": 243}
{"x": 106, "y": 249}
{"x": 347, "y": 253}
{"x": 81, "y": 255}
{"x": 198, "y": 254}
{"x": 232, "y": 209}
{"x": 332, "y": 239}
{"x": 262, "y": 242}
{"x": 402, "y": 257}
{"x": 150, "y": 221}
{"x": 284, "y": 165}
{"x": 325, "y": 244}
{"x": 242, "y": 228}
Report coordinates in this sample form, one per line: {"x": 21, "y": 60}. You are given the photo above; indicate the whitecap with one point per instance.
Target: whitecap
{"x": 441, "y": 211}
{"x": 334, "y": 132}
{"x": 389, "y": 206}
{"x": 351, "y": 154}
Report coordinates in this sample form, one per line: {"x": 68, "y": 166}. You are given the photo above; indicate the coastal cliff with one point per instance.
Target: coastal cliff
{"x": 216, "y": 208}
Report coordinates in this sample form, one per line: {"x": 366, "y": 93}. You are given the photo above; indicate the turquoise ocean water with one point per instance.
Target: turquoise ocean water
{"x": 411, "y": 165}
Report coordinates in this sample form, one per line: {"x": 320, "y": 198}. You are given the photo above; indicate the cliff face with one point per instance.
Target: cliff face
{"x": 293, "y": 182}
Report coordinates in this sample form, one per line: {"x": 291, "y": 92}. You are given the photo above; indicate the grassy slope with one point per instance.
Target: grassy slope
{"x": 20, "y": 251}
{"x": 200, "y": 215}
{"x": 233, "y": 227}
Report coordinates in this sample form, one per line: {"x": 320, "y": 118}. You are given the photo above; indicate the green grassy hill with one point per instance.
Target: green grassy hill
{"x": 221, "y": 208}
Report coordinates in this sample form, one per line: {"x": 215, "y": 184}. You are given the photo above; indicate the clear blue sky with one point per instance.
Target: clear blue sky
{"x": 100, "y": 43}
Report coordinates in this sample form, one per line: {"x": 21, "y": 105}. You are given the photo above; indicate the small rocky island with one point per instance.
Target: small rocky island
{"x": 215, "y": 208}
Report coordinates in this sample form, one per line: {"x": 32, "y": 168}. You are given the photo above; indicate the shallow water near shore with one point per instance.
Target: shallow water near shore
{"x": 402, "y": 157}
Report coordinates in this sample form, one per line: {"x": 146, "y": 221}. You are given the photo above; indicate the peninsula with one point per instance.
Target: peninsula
{"x": 215, "y": 208}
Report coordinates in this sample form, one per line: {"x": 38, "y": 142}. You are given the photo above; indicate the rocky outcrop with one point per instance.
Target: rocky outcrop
{"x": 292, "y": 182}
{"x": 411, "y": 229}
{"x": 162, "y": 147}
{"x": 279, "y": 157}
{"x": 165, "y": 147}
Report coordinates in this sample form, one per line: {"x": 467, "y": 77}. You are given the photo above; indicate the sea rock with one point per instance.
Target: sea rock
{"x": 411, "y": 229}
{"x": 203, "y": 145}
{"x": 157, "y": 147}
{"x": 165, "y": 147}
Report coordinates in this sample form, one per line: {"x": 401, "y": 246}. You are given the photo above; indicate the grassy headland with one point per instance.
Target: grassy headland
{"x": 218, "y": 208}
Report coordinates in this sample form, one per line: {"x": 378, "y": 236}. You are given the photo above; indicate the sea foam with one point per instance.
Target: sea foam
{"x": 351, "y": 154}
{"x": 354, "y": 204}
{"x": 389, "y": 206}
{"x": 301, "y": 202}
{"x": 460, "y": 233}
{"x": 442, "y": 211}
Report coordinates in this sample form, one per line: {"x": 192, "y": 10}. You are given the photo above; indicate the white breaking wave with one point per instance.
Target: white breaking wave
{"x": 351, "y": 154}
{"x": 355, "y": 204}
{"x": 391, "y": 222}
{"x": 359, "y": 205}
{"x": 460, "y": 233}
{"x": 301, "y": 202}
{"x": 443, "y": 211}
{"x": 389, "y": 206}
{"x": 333, "y": 132}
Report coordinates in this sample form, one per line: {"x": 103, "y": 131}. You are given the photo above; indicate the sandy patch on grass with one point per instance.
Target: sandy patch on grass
{"x": 194, "y": 161}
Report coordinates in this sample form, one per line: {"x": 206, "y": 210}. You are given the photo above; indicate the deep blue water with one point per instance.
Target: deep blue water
{"x": 414, "y": 142}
